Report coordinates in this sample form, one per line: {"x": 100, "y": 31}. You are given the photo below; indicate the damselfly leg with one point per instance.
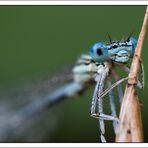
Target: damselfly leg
{"x": 101, "y": 77}
{"x": 104, "y": 93}
{"x": 119, "y": 86}
{"x": 100, "y": 109}
{"x": 112, "y": 104}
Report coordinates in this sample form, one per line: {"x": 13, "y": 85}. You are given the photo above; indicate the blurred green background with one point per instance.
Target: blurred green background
{"x": 37, "y": 39}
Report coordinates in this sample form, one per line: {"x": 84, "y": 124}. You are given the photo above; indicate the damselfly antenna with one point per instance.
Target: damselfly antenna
{"x": 110, "y": 40}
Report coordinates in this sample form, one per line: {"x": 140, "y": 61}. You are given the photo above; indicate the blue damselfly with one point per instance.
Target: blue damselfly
{"x": 97, "y": 67}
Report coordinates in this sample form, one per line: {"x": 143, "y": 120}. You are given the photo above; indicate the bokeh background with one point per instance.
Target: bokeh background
{"x": 36, "y": 40}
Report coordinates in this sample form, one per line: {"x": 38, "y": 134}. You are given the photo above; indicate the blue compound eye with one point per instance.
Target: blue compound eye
{"x": 99, "y": 52}
{"x": 133, "y": 42}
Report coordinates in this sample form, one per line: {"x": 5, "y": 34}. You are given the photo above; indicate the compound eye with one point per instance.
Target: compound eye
{"x": 133, "y": 41}
{"x": 99, "y": 51}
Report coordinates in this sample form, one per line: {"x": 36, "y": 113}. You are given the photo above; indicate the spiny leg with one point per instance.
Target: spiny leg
{"x": 119, "y": 86}
{"x": 112, "y": 105}
{"x": 98, "y": 90}
{"x": 94, "y": 101}
{"x": 102, "y": 116}
{"x": 93, "y": 110}
{"x": 97, "y": 96}
{"x": 100, "y": 109}
{"x": 101, "y": 121}
{"x": 104, "y": 93}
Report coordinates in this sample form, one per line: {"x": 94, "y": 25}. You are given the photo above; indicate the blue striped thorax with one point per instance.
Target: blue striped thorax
{"x": 117, "y": 51}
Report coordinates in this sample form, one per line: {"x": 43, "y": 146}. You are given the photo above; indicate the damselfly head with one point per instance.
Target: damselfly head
{"x": 99, "y": 52}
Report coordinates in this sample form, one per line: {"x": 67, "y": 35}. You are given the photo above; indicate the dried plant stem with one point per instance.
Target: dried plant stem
{"x": 130, "y": 123}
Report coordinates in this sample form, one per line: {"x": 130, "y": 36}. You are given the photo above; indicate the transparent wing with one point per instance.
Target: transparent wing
{"x": 24, "y": 114}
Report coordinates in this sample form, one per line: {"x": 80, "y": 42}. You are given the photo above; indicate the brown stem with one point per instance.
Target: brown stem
{"x": 130, "y": 123}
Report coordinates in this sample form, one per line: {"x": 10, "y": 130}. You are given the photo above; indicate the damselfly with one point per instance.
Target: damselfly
{"x": 97, "y": 67}
{"x": 100, "y": 66}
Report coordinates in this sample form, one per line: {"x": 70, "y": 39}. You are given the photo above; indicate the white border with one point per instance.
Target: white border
{"x": 74, "y": 2}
